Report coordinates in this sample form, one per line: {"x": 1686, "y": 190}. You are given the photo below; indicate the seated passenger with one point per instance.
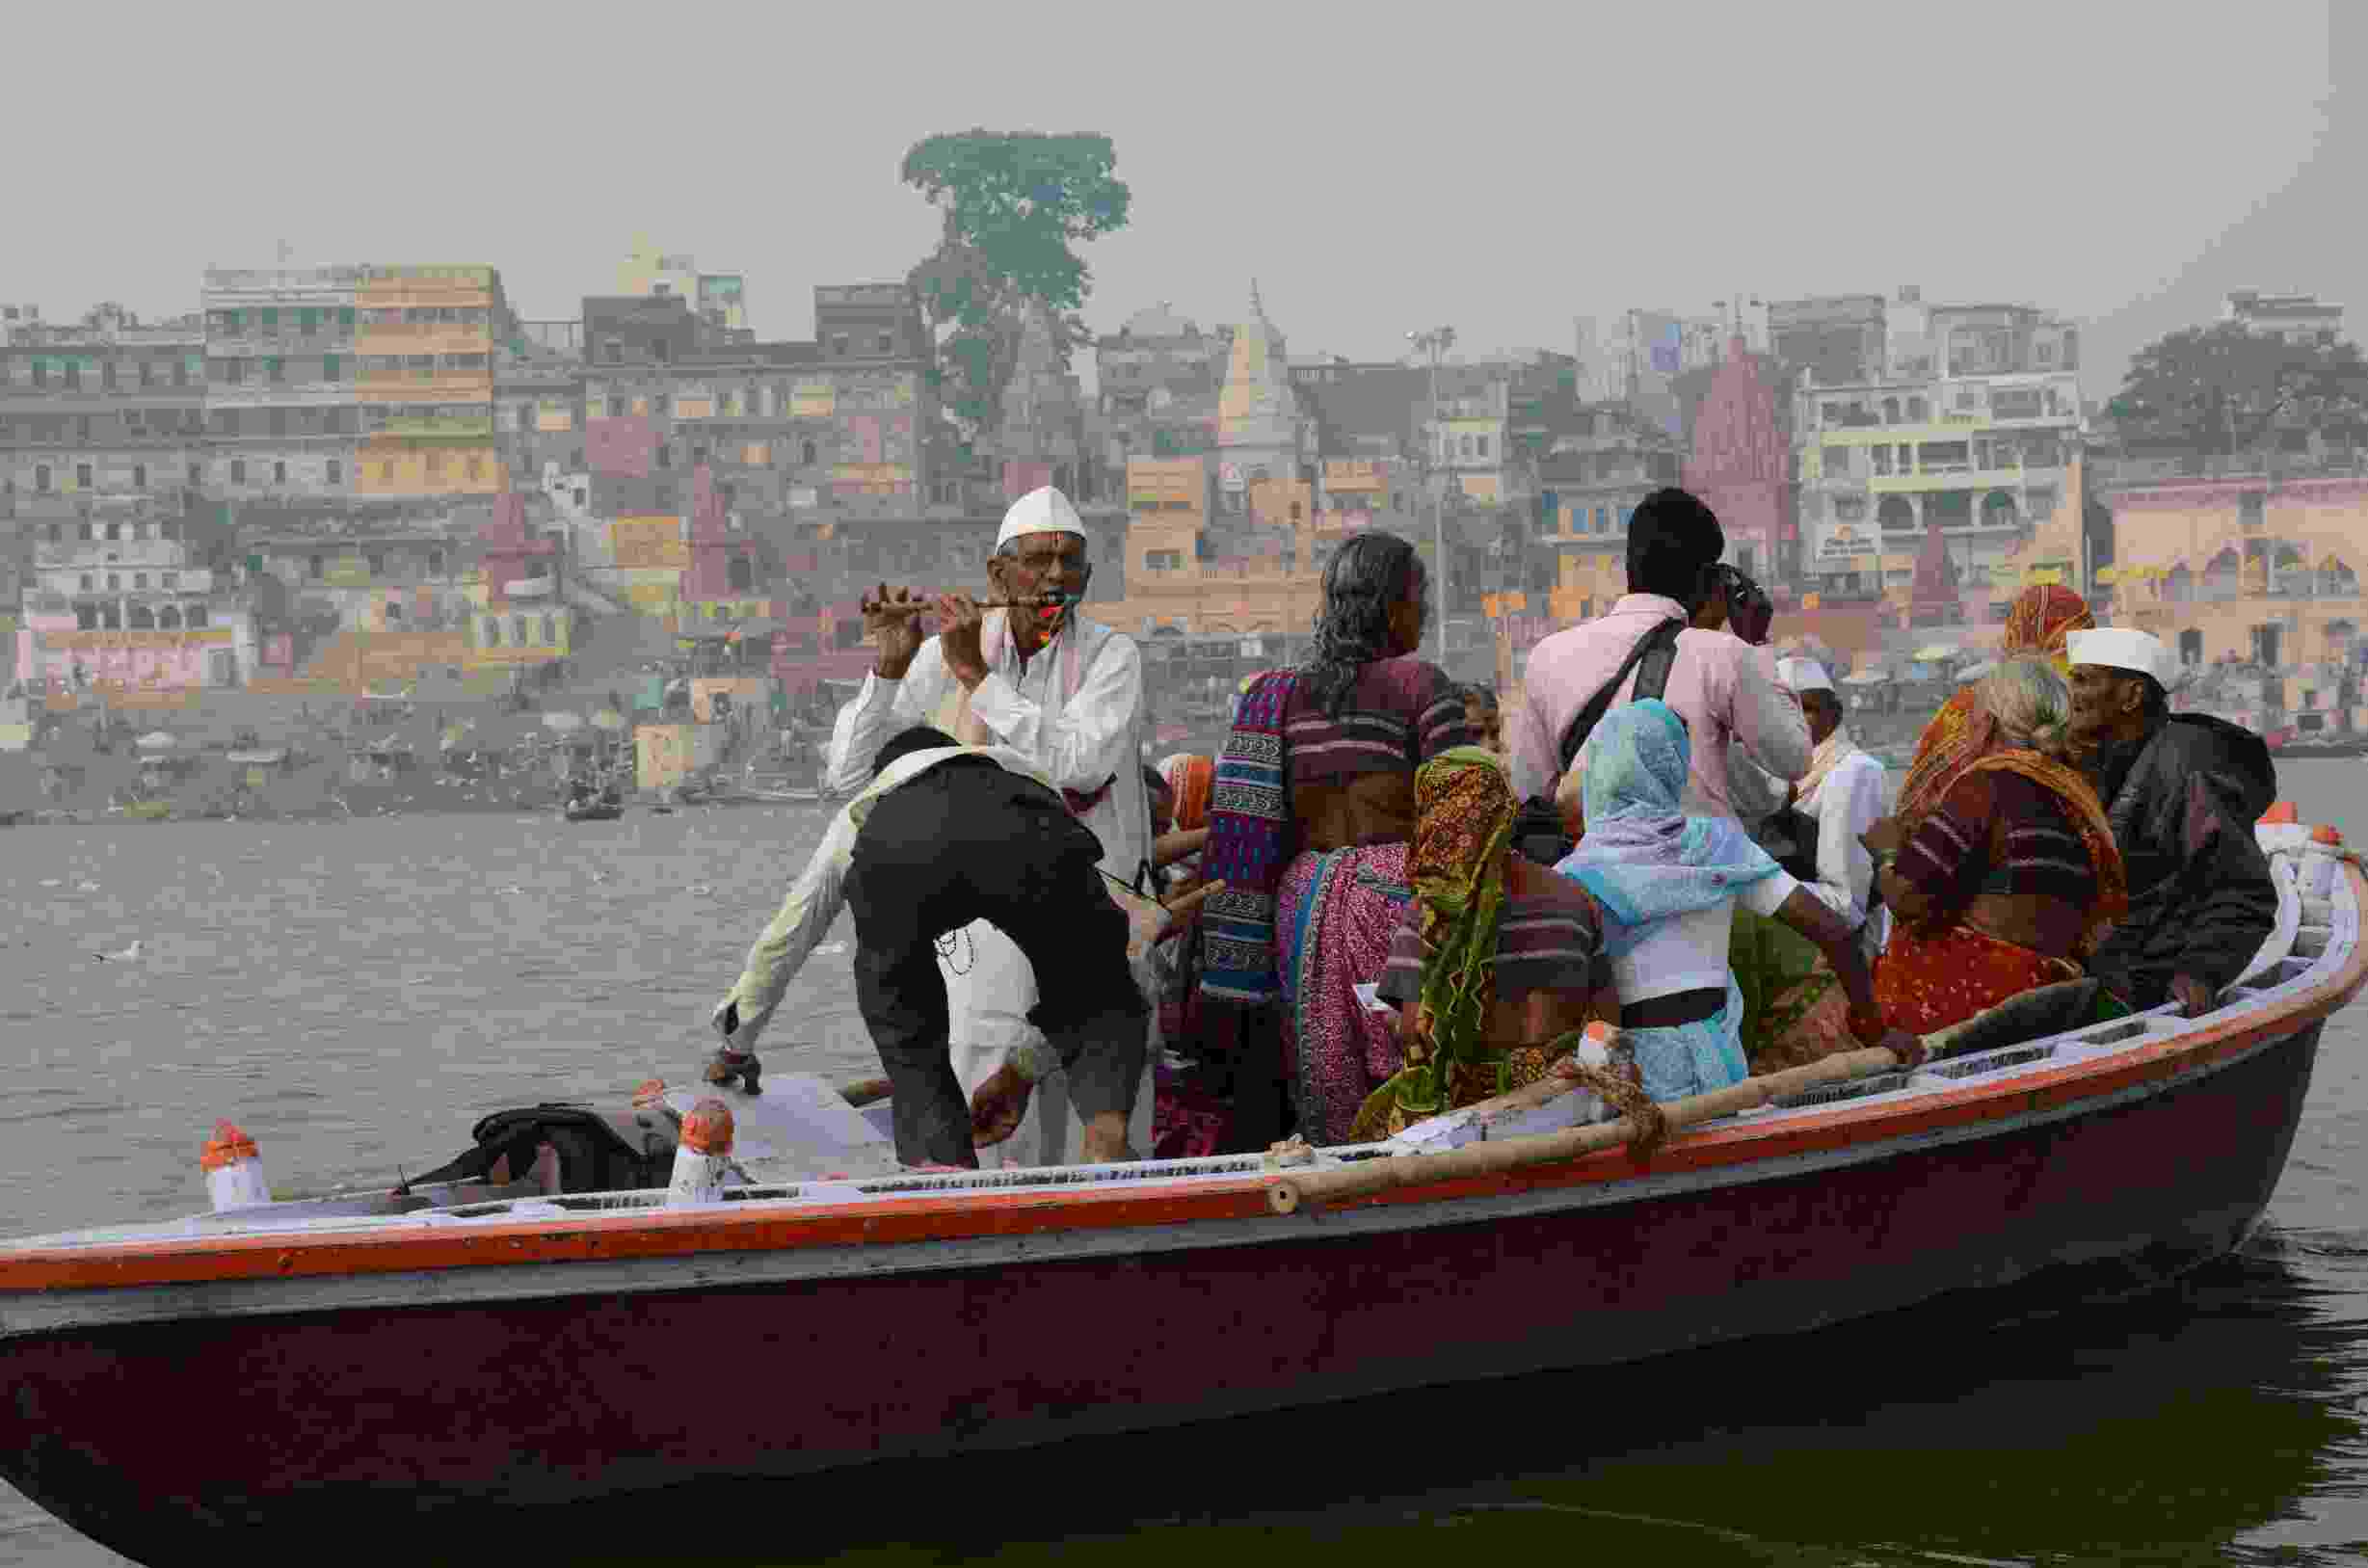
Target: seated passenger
{"x": 2011, "y": 878}
{"x": 1492, "y": 965}
{"x": 2182, "y": 793}
{"x": 1668, "y": 885}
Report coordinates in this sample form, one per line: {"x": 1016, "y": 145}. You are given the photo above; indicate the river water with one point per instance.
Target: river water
{"x": 354, "y": 994}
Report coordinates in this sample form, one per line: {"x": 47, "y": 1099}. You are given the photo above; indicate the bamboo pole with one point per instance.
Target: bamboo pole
{"x": 1287, "y": 1195}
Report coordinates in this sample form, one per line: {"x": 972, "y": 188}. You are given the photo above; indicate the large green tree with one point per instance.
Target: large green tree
{"x": 1015, "y": 204}
{"x": 2226, "y": 388}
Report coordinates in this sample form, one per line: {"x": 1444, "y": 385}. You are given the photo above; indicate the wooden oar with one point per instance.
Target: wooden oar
{"x": 1289, "y": 1194}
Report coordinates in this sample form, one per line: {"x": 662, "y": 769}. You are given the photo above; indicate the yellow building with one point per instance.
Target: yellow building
{"x": 424, "y": 342}
{"x": 2261, "y": 568}
{"x": 517, "y": 634}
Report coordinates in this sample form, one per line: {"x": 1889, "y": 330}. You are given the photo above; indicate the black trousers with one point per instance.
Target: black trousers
{"x": 966, "y": 841}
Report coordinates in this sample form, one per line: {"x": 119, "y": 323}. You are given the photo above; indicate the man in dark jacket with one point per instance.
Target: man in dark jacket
{"x": 2183, "y": 792}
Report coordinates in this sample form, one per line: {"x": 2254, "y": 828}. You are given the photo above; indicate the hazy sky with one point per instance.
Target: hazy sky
{"x": 1499, "y": 169}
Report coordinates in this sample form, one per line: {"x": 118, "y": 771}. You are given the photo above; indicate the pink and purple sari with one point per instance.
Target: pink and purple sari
{"x": 1336, "y": 913}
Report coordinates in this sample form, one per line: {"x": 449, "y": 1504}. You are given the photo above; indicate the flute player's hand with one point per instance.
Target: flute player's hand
{"x": 898, "y": 635}
{"x": 960, "y": 622}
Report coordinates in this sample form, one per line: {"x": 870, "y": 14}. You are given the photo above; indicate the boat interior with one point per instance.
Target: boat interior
{"x": 818, "y": 1154}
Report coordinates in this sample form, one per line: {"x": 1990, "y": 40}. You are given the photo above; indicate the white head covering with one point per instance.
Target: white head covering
{"x": 1044, "y": 511}
{"x": 2124, "y": 647}
{"x": 1797, "y": 676}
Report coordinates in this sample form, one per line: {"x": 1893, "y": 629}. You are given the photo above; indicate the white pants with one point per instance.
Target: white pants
{"x": 987, "y": 1005}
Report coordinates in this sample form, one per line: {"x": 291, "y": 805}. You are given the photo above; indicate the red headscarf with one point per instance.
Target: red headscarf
{"x": 2039, "y": 621}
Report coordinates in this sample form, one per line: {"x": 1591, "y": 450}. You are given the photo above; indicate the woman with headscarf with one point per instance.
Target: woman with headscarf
{"x": 2010, "y": 879}
{"x": 1313, "y": 806}
{"x": 1492, "y": 968}
{"x": 2038, "y": 621}
{"x": 1669, "y": 884}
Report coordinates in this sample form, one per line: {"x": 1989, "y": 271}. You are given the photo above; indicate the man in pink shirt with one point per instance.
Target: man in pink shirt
{"x": 1725, "y": 688}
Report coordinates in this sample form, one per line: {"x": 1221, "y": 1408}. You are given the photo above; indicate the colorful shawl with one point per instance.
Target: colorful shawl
{"x": 2079, "y": 799}
{"x": 1642, "y": 858}
{"x": 1250, "y": 840}
{"x": 2040, "y": 621}
{"x": 1464, "y": 809}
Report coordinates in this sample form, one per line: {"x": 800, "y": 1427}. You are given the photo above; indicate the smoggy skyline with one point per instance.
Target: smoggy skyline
{"x": 2125, "y": 170}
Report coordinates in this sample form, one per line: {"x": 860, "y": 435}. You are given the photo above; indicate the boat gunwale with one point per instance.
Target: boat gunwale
{"x": 2181, "y": 1048}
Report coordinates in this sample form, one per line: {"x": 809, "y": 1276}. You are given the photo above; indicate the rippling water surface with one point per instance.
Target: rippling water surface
{"x": 355, "y": 996}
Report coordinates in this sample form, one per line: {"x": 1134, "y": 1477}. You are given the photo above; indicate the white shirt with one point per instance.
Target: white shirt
{"x": 1847, "y": 804}
{"x": 1094, "y": 737}
{"x": 817, "y": 896}
{"x": 1688, "y": 952}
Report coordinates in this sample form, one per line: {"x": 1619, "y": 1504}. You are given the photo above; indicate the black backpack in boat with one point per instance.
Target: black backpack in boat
{"x": 613, "y": 1153}
{"x": 1537, "y": 831}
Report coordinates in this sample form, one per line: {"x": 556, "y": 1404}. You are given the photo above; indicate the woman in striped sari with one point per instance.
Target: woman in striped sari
{"x": 1313, "y": 808}
{"x": 2008, "y": 880}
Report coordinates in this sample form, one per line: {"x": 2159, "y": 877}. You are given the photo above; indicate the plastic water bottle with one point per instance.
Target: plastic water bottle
{"x": 234, "y": 1170}
{"x": 702, "y": 1155}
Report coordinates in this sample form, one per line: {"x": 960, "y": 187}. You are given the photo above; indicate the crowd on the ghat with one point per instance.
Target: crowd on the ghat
{"x": 1388, "y": 898}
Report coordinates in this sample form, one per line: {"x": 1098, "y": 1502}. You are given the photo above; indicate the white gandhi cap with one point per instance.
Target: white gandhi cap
{"x": 1045, "y": 511}
{"x": 2123, "y": 648}
{"x": 1797, "y": 676}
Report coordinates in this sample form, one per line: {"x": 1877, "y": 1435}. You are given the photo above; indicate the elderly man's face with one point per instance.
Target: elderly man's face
{"x": 2100, "y": 696}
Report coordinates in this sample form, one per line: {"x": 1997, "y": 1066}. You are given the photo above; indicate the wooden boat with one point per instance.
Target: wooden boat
{"x": 392, "y": 1377}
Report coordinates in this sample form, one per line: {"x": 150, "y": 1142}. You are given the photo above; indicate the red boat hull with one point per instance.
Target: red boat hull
{"x": 163, "y": 1438}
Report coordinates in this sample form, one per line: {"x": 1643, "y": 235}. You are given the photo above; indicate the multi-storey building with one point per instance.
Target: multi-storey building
{"x": 280, "y": 384}
{"x": 1837, "y": 339}
{"x": 1596, "y": 478}
{"x": 1041, "y": 436}
{"x": 2298, "y": 318}
{"x": 1975, "y": 340}
{"x": 106, "y": 408}
{"x": 424, "y": 385}
{"x": 2248, "y": 565}
{"x": 123, "y": 597}
{"x": 1977, "y": 455}
{"x": 718, "y": 300}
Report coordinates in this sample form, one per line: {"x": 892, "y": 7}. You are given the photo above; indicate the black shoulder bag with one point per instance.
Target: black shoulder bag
{"x": 1537, "y": 832}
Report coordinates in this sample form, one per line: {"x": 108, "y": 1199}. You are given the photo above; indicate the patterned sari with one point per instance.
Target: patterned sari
{"x": 2040, "y": 621}
{"x": 1794, "y": 1009}
{"x": 1932, "y": 977}
{"x": 1338, "y": 909}
{"x": 1464, "y": 811}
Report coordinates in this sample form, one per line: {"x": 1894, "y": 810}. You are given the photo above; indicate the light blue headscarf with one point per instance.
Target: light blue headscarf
{"x": 1642, "y": 858}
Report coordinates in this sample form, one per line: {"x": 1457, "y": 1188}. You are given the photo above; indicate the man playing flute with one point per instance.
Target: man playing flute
{"x": 1065, "y": 693}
